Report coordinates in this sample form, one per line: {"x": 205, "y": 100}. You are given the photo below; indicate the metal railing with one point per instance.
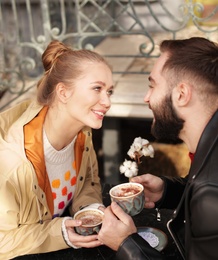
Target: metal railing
{"x": 27, "y": 26}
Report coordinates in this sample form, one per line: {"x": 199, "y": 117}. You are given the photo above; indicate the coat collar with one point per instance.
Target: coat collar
{"x": 207, "y": 141}
{"x": 35, "y": 154}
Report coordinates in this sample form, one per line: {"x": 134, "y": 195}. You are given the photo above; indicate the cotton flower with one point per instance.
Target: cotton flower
{"x": 140, "y": 147}
{"x": 129, "y": 168}
{"x": 148, "y": 151}
{"x": 131, "y": 152}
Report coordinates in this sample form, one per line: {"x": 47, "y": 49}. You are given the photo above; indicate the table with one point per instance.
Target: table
{"x": 148, "y": 218}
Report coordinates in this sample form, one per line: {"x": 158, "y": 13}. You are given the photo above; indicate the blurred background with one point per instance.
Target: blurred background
{"x": 127, "y": 33}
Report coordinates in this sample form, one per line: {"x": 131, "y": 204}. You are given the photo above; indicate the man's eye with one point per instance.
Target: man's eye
{"x": 150, "y": 86}
{"x": 110, "y": 92}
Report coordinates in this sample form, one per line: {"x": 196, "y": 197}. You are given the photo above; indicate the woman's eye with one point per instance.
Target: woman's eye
{"x": 97, "y": 88}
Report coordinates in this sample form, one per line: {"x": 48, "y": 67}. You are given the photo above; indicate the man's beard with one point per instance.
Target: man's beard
{"x": 167, "y": 125}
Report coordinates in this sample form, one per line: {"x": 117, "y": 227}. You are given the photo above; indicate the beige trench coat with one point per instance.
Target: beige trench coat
{"x": 26, "y": 205}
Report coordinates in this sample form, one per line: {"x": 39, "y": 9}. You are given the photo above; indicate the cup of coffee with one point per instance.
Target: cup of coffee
{"x": 91, "y": 221}
{"x": 129, "y": 196}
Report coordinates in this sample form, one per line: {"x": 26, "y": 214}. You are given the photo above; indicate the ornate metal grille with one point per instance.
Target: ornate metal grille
{"x": 27, "y": 26}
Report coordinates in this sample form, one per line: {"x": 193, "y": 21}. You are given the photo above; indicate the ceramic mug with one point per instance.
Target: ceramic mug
{"x": 129, "y": 196}
{"x": 91, "y": 221}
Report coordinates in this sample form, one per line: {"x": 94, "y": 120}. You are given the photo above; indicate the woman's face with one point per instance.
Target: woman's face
{"x": 90, "y": 98}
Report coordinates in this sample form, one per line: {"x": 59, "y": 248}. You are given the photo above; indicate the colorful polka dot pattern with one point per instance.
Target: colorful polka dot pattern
{"x": 62, "y": 191}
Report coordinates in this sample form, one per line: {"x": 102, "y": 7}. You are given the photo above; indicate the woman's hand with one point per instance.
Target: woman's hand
{"x": 153, "y": 188}
{"x": 101, "y": 208}
{"x": 79, "y": 240}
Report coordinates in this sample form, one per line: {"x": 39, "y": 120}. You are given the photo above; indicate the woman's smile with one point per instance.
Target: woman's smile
{"x": 99, "y": 113}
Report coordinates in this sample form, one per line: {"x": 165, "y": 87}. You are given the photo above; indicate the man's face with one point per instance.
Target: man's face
{"x": 167, "y": 124}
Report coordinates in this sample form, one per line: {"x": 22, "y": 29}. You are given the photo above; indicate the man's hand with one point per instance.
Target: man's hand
{"x": 117, "y": 226}
{"x": 153, "y": 188}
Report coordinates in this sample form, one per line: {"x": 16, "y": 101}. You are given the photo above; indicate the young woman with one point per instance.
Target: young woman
{"x": 48, "y": 163}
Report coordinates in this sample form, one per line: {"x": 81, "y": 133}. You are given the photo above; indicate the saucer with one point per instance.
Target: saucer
{"x": 158, "y": 233}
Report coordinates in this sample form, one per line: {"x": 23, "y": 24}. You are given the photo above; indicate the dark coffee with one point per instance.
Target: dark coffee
{"x": 90, "y": 218}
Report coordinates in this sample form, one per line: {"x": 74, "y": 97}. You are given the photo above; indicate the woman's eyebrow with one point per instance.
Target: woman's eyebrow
{"x": 101, "y": 83}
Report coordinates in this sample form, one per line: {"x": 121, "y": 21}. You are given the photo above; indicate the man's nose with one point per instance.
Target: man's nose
{"x": 147, "y": 97}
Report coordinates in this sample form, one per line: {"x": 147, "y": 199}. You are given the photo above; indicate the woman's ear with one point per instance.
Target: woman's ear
{"x": 62, "y": 92}
{"x": 182, "y": 94}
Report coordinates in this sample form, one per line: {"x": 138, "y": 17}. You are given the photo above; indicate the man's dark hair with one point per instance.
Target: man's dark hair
{"x": 196, "y": 58}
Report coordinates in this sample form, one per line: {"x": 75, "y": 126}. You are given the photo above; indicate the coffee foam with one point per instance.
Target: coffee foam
{"x": 90, "y": 218}
{"x": 126, "y": 191}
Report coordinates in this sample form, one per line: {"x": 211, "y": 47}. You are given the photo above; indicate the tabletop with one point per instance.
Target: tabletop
{"x": 147, "y": 218}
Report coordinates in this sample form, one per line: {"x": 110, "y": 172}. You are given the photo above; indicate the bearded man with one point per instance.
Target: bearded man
{"x": 183, "y": 95}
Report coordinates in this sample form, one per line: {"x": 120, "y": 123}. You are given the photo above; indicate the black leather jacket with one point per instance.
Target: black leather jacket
{"x": 194, "y": 225}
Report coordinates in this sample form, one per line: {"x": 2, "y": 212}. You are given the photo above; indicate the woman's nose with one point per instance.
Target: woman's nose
{"x": 105, "y": 101}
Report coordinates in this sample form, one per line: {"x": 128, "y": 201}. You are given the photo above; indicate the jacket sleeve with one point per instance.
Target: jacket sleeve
{"x": 203, "y": 232}
{"x": 135, "y": 247}
{"x": 173, "y": 192}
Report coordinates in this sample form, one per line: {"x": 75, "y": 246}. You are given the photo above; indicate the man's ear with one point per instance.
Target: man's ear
{"x": 182, "y": 94}
{"x": 63, "y": 93}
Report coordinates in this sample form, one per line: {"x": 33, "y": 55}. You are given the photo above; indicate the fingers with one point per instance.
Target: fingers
{"x": 108, "y": 212}
{"x": 120, "y": 214}
{"x": 149, "y": 205}
{"x": 84, "y": 241}
{"x": 150, "y": 182}
{"x": 87, "y": 241}
{"x": 101, "y": 208}
{"x": 143, "y": 178}
{"x": 91, "y": 244}
{"x": 70, "y": 223}
{"x": 114, "y": 215}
